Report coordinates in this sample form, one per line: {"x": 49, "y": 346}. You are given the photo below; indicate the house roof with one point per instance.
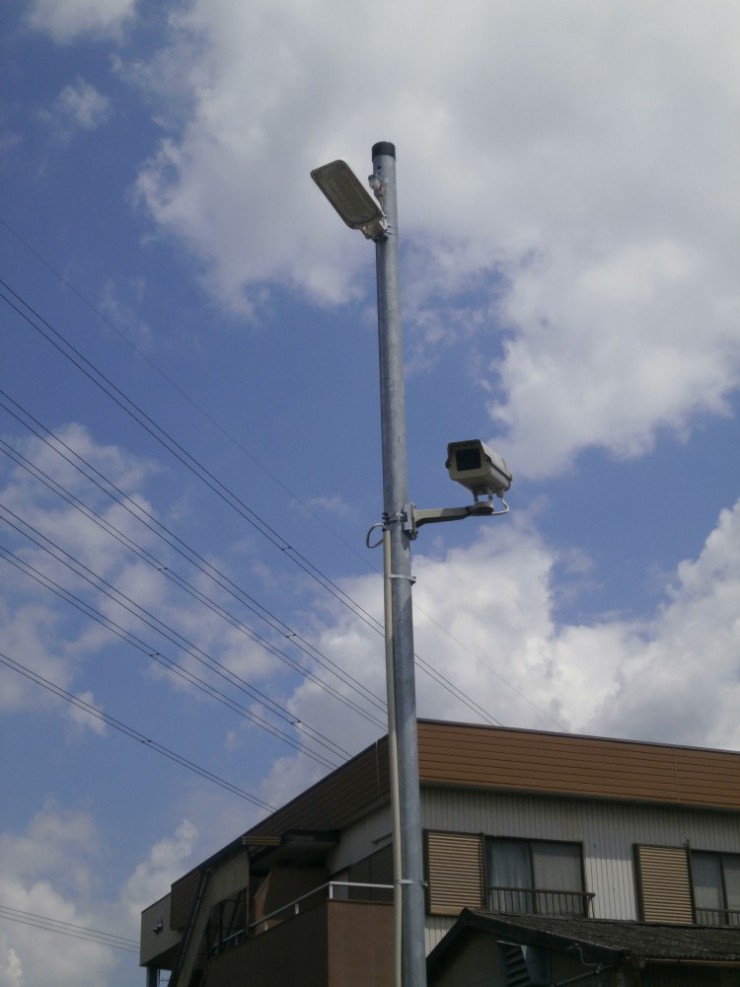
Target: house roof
{"x": 458, "y": 755}
{"x": 598, "y": 940}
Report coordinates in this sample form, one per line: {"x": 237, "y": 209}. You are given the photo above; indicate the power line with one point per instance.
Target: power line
{"x": 162, "y": 659}
{"x": 137, "y": 510}
{"x": 49, "y": 924}
{"x": 144, "y": 517}
{"x": 169, "y": 574}
{"x": 131, "y": 733}
{"x": 73, "y": 355}
{"x": 184, "y": 394}
{"x": 229, "y": 497}
{"x": 144, "y": 615}
{"x": 134, "y": 411}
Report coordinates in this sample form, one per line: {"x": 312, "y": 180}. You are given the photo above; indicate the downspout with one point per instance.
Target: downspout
{"x": 393, "y": 764}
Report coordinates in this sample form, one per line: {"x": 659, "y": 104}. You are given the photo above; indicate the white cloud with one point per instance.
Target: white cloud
{"x": 125, "y": 315}
{"x": 82, "y": 106}
{"x": 166, "y": 862}
{"x": 37, "y": 631}
{"x": 28, "y": 959}
{"x": 685, "y": 677}
{"x": 48, "y": 871}
{"x": 66, "y": 20}
{"x": 572, "y": 163}
{"x": 84, "y": 719}
{"x": 610, "y": 349}
{"x": 485, "y": 617}
{"x": 131, "y": 589}
{"x": 53, "y": 844}
{"x": 11, "y": 972}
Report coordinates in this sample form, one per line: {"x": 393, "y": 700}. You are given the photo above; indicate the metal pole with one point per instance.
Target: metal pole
{"x": 395, "y": 499}
{"x": 393, "y": 764}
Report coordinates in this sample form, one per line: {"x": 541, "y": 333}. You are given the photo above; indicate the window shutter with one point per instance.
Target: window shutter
{"x": 454, "y": 872}
{"x": 665, "y": 885}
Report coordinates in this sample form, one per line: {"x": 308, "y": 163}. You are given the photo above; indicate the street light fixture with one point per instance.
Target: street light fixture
{"x": 350, "y": 198}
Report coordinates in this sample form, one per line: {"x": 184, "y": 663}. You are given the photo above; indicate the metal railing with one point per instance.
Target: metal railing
{"x": 533, "y": 901}
{"x": 718, "y": 916}
{"x": 332, "y": 890}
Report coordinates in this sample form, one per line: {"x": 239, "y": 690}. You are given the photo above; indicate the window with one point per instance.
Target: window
{"x": 227, "y": 923}
{"x": 715, "y": 878}
{"x": 373, "y": 870}
{"x": 663, "y": 884}
{"x": 535, "y": 876}
{"x": 455, "y": 872}
{"x": 686, "y": 886}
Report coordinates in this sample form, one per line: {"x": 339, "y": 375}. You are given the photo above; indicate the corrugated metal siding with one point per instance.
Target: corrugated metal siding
{"x": 338, "y": 799}
{"x": 607, "y": 831}
{"x": 496, "y": 758}
{"x": 454, "y": 872}
{"x": 437, "y": 927}
{"x": 183, "y": 895}
{"x": 361, "y": 839}
{"x": 665, "y": 886}
{"x": 483, "y": 756}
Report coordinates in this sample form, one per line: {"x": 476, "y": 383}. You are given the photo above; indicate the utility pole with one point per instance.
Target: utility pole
{"x": 472, "y": 464}
{"x": 395, "y": 503}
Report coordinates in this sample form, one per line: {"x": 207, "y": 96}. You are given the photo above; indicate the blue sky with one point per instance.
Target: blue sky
{"x": 568, "y": 211}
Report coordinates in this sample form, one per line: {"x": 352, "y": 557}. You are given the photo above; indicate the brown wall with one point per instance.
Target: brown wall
{"x": 360, "y": 944}
{"x": 480, "y": 958}
{"x": 293, "y": 952}
{"x": 283, "y": 885}
{"x": 334, "y": 801}
{"x": 565, "y": 764}
{"x": 337, "y": 944}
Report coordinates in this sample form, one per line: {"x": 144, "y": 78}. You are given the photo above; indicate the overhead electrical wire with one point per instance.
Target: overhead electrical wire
{"x": 171, "y": 633}
{"x": 206, "y": 476}
{"x": 71, "y": 353}
{"x": 157, "y": 656}
{"x": 132, "y": 733}
{"x": 159, "y": 434}
{"x": 216, "y": 575}
{"x": 142, "y": 355}
{"x": 224, "y": 431}
{"x": 49, "y": 924}
{"x": 239, "y": 445}
{"x": 136, "y": 510}
{"x": 182, "y": 583}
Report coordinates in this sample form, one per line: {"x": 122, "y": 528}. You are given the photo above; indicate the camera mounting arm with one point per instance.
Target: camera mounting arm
{"x": 414, "y": 518}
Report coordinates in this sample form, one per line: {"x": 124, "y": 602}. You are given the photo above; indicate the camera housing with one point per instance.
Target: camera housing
{"x": 478, "y": 468}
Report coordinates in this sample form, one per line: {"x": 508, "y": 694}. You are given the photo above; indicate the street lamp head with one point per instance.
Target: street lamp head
{"x": 478, "y": 468}
{"x": 350, "y": 198}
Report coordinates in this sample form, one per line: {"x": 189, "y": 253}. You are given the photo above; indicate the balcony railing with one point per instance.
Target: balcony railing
{"x": 718, "y": 916}
{"x": 533, "y": 901}
{"x": 332, "y": 890}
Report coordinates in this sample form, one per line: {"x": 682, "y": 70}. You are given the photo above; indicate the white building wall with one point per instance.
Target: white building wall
{"x": 607, "y": 830}
{"x": 359, "y": 841}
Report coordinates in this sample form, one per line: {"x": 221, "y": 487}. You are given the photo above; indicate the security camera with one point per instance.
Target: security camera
{"x": 478, "y": 468}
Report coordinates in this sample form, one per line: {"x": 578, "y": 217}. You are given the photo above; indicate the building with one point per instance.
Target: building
{"x": 548, "y": 844}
